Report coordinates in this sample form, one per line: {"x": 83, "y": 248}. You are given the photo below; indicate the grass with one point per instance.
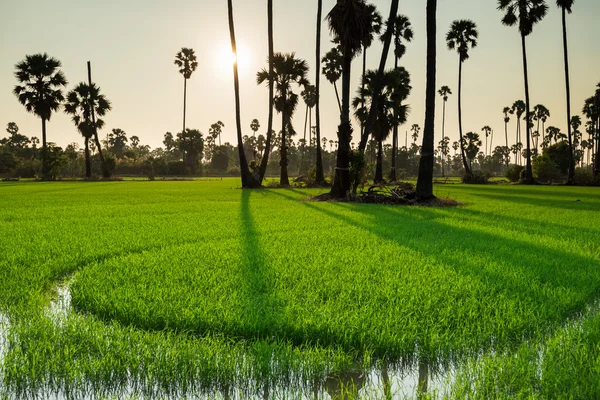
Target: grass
{"x": 197, "y": 287}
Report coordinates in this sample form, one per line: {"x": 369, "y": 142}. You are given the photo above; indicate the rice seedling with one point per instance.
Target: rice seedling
{"x": 196, "y": 289}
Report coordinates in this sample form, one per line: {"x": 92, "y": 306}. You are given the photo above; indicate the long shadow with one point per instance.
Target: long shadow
{"x": 549, "y": 272}
{"x": 571, "y": 204}
{"x": 262, "y": 310}
{"x": 571, "y": 192}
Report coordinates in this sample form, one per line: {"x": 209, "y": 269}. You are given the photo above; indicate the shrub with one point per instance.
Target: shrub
{"x": 513, "y": 173}
{"x": 545, "y": 169}
{"x": 559, "y": 153}
{"x": 477, "y": 178}
{"x": 583, "y": 177}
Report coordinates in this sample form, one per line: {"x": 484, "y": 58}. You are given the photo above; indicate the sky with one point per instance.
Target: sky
{"x": 132, "y": 46}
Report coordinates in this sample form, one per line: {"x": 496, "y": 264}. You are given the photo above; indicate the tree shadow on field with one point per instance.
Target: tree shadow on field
{"x": 537, "y": 280}
{"x": 261, "y": 310}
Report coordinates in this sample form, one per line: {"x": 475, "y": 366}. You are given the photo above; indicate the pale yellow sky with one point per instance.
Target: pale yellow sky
{"x": 132, "y": 46}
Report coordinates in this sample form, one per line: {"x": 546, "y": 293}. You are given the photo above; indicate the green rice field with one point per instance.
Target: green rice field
{"x": 202, "y": 290}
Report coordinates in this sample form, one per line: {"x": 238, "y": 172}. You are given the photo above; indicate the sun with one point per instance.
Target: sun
{"x": 227, "y": 58}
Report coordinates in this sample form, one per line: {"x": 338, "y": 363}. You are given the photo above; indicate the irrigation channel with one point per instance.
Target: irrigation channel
{"x": 381, "y": 382}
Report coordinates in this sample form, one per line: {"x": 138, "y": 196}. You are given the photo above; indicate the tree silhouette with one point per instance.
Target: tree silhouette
{"x": 332, "y": 69}
{"x": 525, "y": 13}
{"x": 248, "y": 179}
{"x": 444, "y": 92}
{"x": 287, "y": 70}
{"x": 187, "y": 63}
{"x": 565, "y": 6}
{"x": 518, "y": 108}
{"x": 487, "y": 131}
{"x": 77, "y": 105}
{"x": 471, "y": 144}
{"x": 462, "y": 36}
{"x": 375, "y": 29}
{"x": 39, "y": 90}
{"x": 309, "y": 95}
{"x": 390, "y": 111}
{"x": 350, "y": 23}
{"x": 402, "y": 32}
{"x": 255, "y": 126}
{"x": 320, "y": 176}
{"x": 541, "y": 115}
{"x": 425, "y": 179}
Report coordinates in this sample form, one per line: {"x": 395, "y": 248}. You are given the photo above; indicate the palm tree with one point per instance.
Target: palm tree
{"x": 310, "y": 99}
{"x": 187, "y": 63}
{"x": 402, "y": 31}
{"x": 518, "y": 108}
{"x": 415, "y": 129}
{"x": 506, "y": 111}
{"x": 248, "y": 179}
{"x": 526, "y": 13}
{"x": 267, "y": 151}
{"x": 287, "y": 70}
{"x": 390, "y": 111}
{"x": 320, "y": 176}
{"x": 471, "y": 144}
{"x": 425, "y": 180}
{"x": 565, "y": 6}
{"x": 487, "y": 131}
{"x": 444, "y": 92}
{"x": 375, "y": 29}
{"x": 462, "y": 36}
{"x": 216, "y": 129}
{"x": 255, "y": 126}
{"x": 78, "y": 105}
{"x": 39, "y": 90}
{"x": 350, "y": 23}
{"x": 332, "y": 69}
{"x": 540, "y": 114}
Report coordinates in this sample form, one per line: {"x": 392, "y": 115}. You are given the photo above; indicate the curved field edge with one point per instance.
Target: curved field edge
{"x": 82, "y": 235}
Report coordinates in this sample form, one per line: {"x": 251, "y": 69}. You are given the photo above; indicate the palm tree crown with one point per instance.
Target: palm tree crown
{"x": 402, "y": 30}
{"x": 186, "y": 61}
{"x": 40, "y": 84}
{"x": 462, "y": 36}
{"x": 287, "y": 69}
{"x": 80, "y": 102}
{"x": 566, "y": 4}
{"x": 351, "y": 24}
{"x": 526, "y": 13}
{"x": 444, "y": 92}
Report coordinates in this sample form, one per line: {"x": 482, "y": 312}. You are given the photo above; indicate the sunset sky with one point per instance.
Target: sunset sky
{"x": 132, "y": 46}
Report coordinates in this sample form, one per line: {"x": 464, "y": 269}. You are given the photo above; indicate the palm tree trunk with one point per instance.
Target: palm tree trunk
{"x": 394, "y": 137}
{"x": 320, "y": 176}
{"x": 443, "y": 135}
{"x": 362, "y": 96}
{"x": 337, "y": 95}
{"x": 341, "y": 182}
{"x": 377, "y": 87}
{"x": 88, "y": 164}
{"x": 460, "y": 129}
{"x": 44, "y": 151}
{"x": 184, "y": 101}
{"x": 568, "y": 87}
{"x": 248, "y": 180}
{"x": 300, "y": 169}
{"x": 425, "y": 179}
{"x": 379, "y": 167}
{"x": 283, "y": 162}
{"x": 265, "y": 160}
{"x": 528, "y": 169}
{"x": 506, "y": 134}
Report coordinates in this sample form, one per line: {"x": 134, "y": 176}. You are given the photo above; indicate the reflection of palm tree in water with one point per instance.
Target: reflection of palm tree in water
{"x": 345, "y": 386}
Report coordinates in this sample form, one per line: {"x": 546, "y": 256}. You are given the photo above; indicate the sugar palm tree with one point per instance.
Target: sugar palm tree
{"x": 402, "y": 32}
{"x": 390, "y": 110}
{"x": 249, "y": 180}
{"x": 255, "y": 126}
{"x": 320, "y": 176}
{"x": 375, "y": 29}
{"x": 310, "y": 99}
{"x": 565, "y": 6}
{"x": 268, "y": 141}
{"x": 332, "y": 69}
{"x": 78, "y": 104}
{"x": 462, "y": 36}
{"x": 40, "y": 91}
{"x": 424, "y": 187}
{"x": 518, "y": 108}
{"x": 541, "y": 115}
{"x": 187, "y": 63}
{"x": 525, "y": 13}
{"x": 287, "y": 70}
{"x": 506, "y": 111}
{"x": 444, "y": 92}
{"x": 350, "y": 23}
{"x": 487, "y": 131}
